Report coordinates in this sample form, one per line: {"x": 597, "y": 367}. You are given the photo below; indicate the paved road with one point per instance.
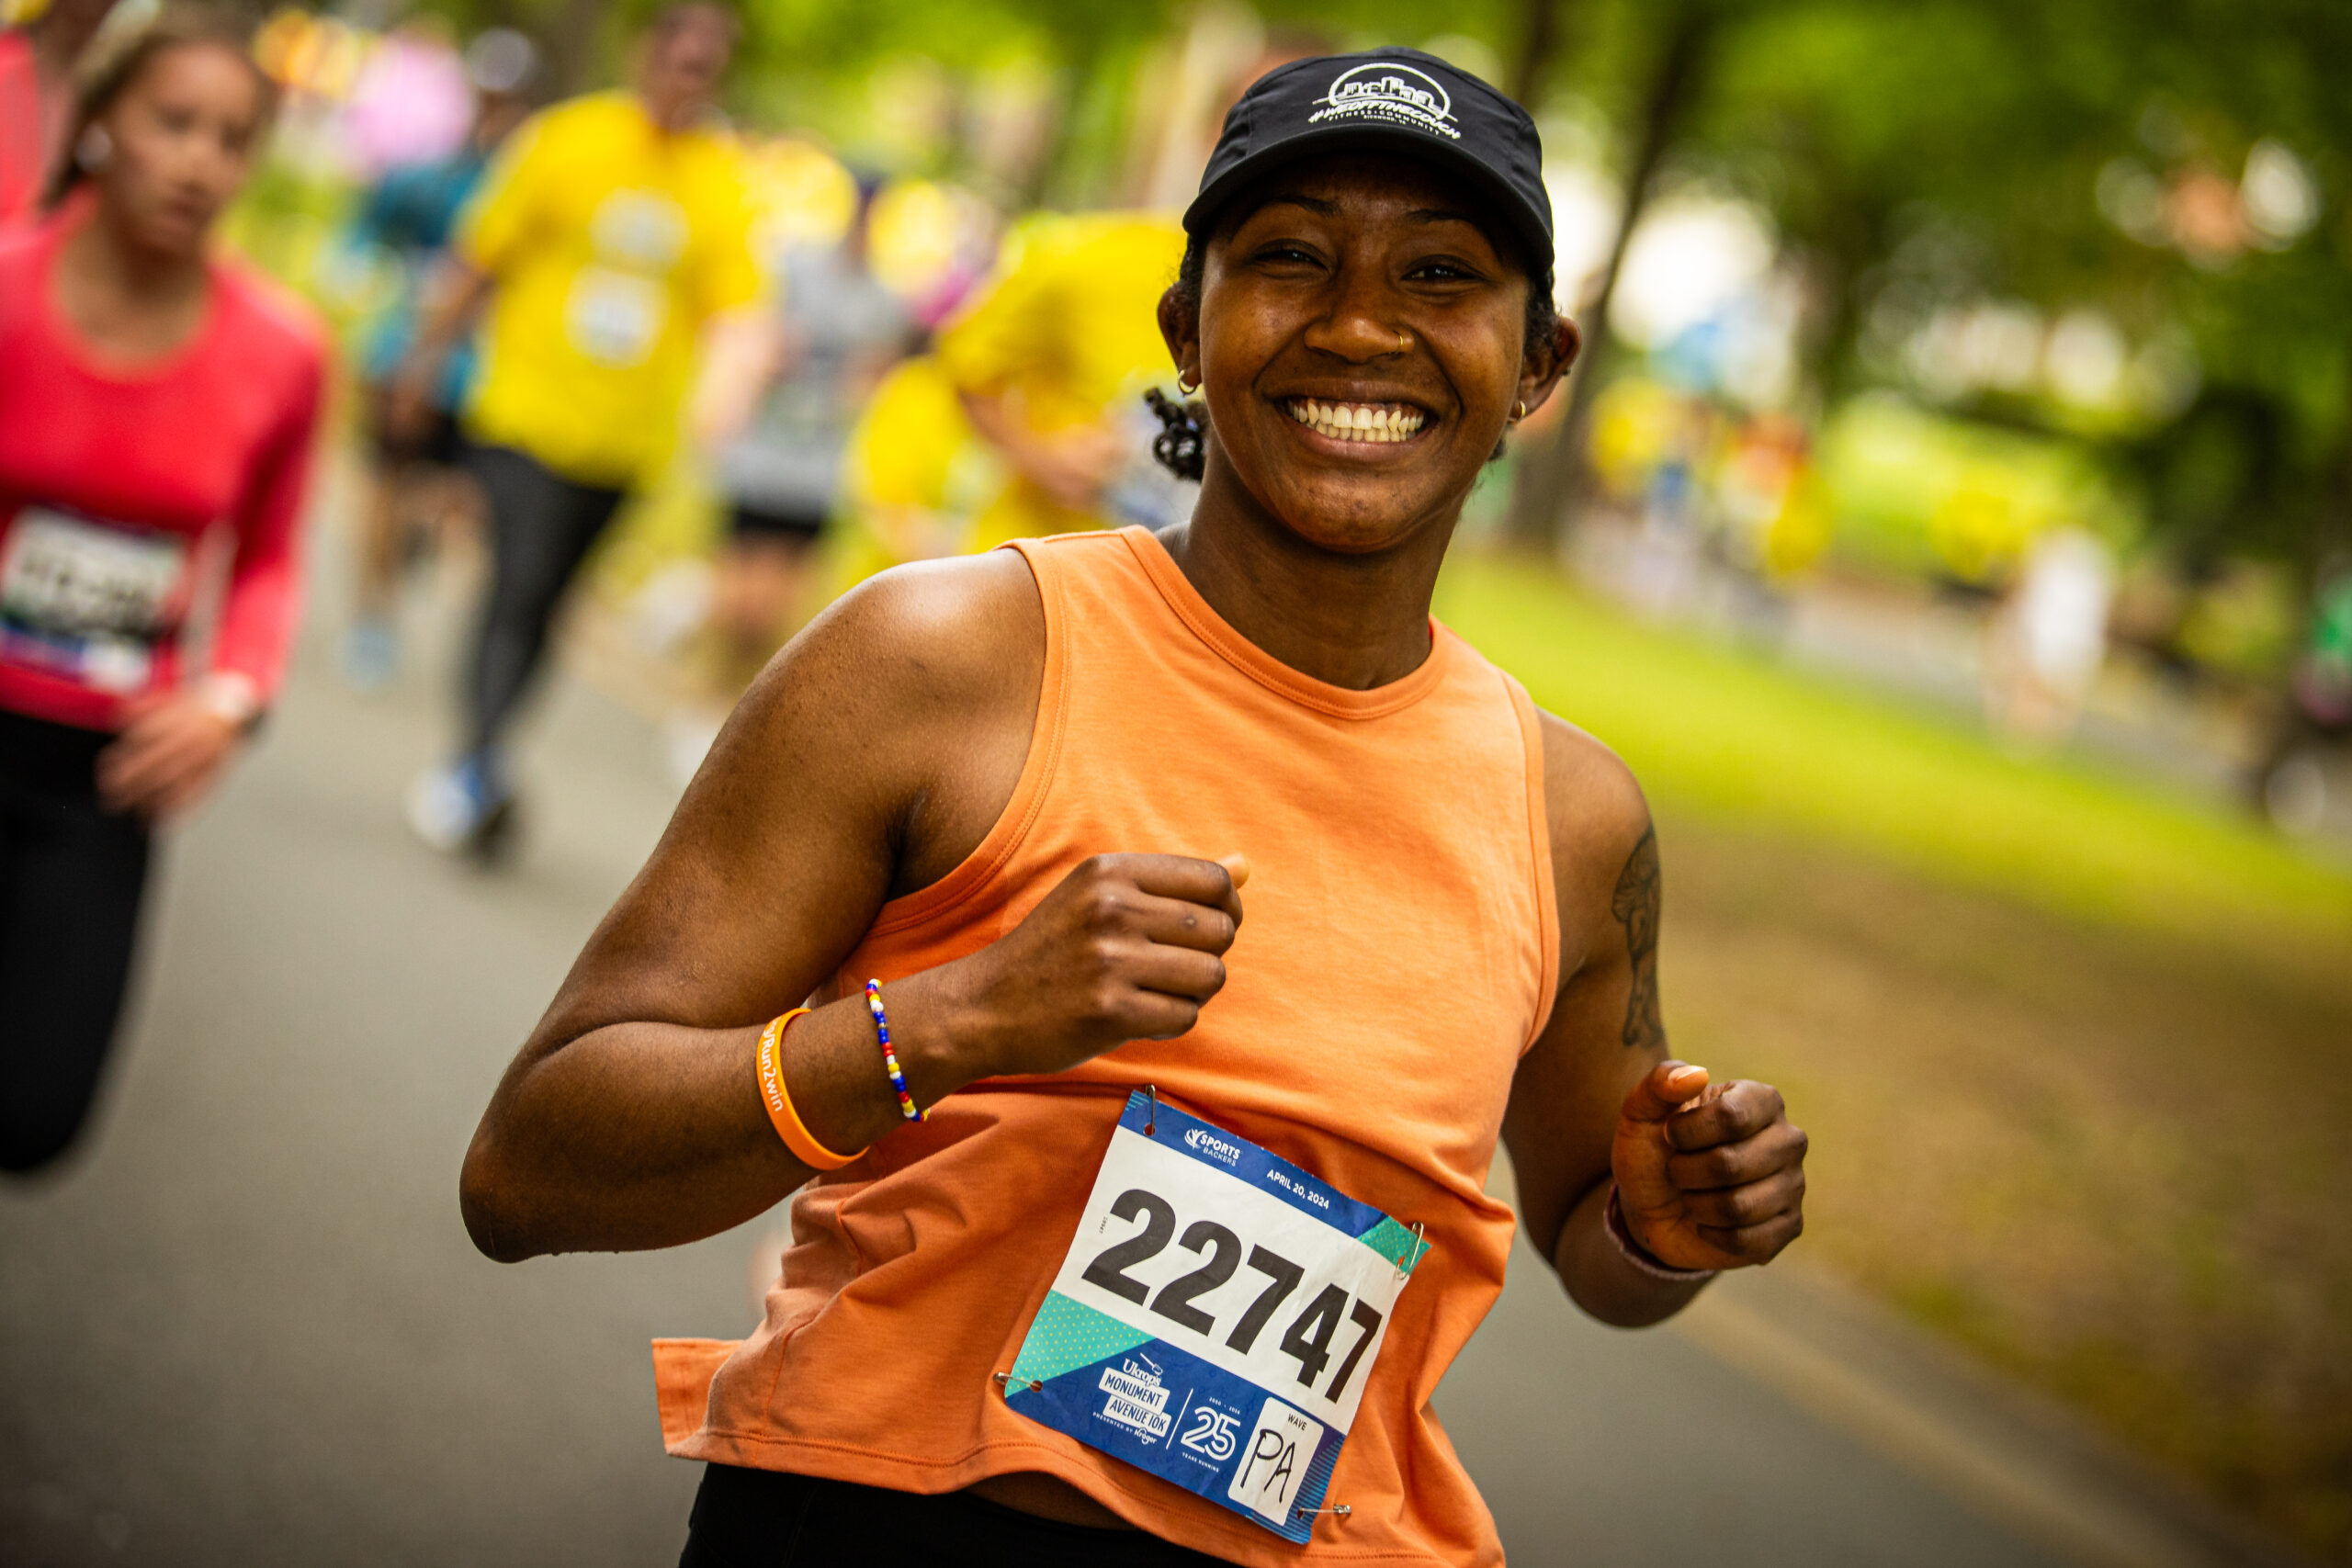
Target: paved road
{"x": 247, "y": 1328}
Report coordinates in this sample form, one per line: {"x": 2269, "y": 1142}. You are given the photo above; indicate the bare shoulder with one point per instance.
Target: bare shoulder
{"x": 899, "y": 719}
{"x": 933, "y": 608}
{"x": 1601, "y": 835}
{"x": 943, "y": 632}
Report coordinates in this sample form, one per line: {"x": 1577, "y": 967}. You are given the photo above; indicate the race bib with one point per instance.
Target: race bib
{"x": 640, "y": 229}
{"x": 1217, "y": 1318}
{"x": 614, "y": 317}
{"x": 87, "y": 601}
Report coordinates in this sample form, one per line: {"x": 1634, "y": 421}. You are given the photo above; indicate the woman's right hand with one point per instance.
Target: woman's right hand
{"x": 1126, "y": 947}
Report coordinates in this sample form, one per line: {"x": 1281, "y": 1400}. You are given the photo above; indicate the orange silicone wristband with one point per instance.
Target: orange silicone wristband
{"x": 778, "y": 1099}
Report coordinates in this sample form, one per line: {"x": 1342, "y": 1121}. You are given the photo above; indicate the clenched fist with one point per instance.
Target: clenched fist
{"x": 1710, "y": 1175}
{"x": 1126, "y": 947}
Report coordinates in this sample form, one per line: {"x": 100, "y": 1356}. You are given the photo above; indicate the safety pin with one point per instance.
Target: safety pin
{"x": 1004, "y": 1380}
{"x": 1405, "y": 1270}
{"x": 1341, "y": 1510}
{"x": 1151, "y": 1117}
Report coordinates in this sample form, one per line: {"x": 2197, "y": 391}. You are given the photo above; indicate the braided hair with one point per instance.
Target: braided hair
{"x": 1181, "y": 444}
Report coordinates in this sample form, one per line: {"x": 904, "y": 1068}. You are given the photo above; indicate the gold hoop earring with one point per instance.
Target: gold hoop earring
{"x": 1187, "y": 388}
{"x": 1517, "y": 411}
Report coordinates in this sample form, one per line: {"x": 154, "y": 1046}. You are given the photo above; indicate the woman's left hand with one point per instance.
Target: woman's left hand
{"x": 1708, "y": 1175}
{"x": 168, "y": 756}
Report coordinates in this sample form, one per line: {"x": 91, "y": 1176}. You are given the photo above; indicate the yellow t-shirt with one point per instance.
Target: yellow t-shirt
{"x": 1070, "y": 327}
{"x": 914, "y": 476}
{"x": 611, "y": 245}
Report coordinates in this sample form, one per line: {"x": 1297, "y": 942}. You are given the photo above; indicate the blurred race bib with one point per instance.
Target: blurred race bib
{"x": 87, "y": 601}
{"x": 614, "y": 317}
{"x": 1216, "y": 1318}
{"x": 640, "y": 229}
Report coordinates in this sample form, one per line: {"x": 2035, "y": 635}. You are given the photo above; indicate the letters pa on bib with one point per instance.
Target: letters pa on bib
{"x": 1216, "y": 1318}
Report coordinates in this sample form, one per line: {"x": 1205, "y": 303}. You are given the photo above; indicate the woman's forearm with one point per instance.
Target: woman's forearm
{"x": 645, "y": 1134}
{"x": 627, "y": 1135}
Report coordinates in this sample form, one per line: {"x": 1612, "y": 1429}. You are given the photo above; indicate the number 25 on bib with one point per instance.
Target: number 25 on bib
{"x": 1216, "y": 1318}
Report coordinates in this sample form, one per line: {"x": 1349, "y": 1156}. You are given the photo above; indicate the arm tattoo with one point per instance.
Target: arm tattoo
{"x": 1636, "y": 905}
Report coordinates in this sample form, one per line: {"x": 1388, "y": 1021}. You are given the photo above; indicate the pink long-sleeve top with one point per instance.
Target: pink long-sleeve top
{"x": 111, "y": 478}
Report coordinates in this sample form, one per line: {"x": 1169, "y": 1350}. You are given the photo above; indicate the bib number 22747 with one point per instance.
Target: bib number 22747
{"x": 1216, "y": 1318}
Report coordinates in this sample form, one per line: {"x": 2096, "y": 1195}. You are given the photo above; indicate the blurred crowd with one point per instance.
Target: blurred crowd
{"x": 556, "y": 310}
{"x": 552, "y": 311}
{"x": 856, "y": 362}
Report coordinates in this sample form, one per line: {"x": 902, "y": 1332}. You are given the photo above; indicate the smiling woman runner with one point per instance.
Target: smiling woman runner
{"x": 1180, "y": 1246}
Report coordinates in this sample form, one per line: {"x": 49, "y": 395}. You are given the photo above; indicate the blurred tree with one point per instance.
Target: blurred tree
{"x": 1550, "y": 473}
{"x": 1921, "y": 157}
{"x": 1539, "y": 41}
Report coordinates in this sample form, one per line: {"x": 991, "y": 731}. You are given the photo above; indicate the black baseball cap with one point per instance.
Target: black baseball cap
{"x": 1397, "y": 98}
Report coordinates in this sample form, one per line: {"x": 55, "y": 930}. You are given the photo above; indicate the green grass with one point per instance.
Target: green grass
{"x": 1736, "y": 734}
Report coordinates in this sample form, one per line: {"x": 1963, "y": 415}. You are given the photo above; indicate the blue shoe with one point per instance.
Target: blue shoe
{"x": 462, "y": 809}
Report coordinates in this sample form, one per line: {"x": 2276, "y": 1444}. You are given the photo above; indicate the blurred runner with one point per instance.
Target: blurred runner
{"x": 611, "y": 233}
{"x": 1766, "y": 521}
{"x": 1050, "y": 360}
{"x": 37, "y": 60}
{"x": 916, "y": 475}
{"x": 841, "y": 329}
{"x": 2049, "y": 639}
{"x": 2292, "y": 777}
{"x": 1769, "y": 493}
{"x": 150, "y": 398}
{"x": 416, "y": 488}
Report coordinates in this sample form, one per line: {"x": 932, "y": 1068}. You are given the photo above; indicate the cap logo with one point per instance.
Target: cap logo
{"x": 1383, "y": 90}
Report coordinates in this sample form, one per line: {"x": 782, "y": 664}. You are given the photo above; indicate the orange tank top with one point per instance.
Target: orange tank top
{"x": 1399, "y": 954}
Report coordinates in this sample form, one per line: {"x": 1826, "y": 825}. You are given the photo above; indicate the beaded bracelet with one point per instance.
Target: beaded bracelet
{"x": 778, "y": 1100}
{"x": 890, "y": 1057}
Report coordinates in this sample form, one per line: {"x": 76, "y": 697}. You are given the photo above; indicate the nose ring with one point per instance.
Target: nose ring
{"x": 1402, "y": 344}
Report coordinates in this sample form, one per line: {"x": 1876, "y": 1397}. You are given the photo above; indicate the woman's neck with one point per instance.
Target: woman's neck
{"x": 130, "y": 303}
{"x": 1353, "y": 621}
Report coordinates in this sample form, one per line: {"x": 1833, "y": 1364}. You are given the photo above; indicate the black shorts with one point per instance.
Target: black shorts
{"x": 785, "y": 526}
{"x": 770, "y": 1519}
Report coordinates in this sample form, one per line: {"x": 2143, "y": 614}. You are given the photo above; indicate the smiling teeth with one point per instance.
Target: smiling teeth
{"x": 1358, "y": 421}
